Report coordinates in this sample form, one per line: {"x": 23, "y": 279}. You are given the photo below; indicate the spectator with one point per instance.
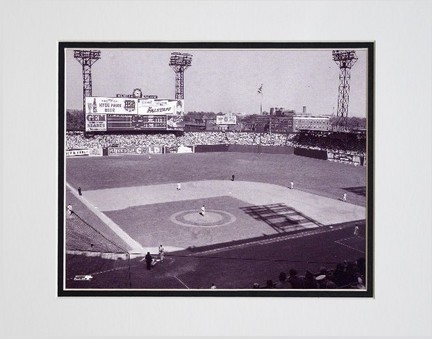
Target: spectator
{"x": 283, "y": 282}
{"x": 295, "y": 281}
{"x": 324, "y": 282}
{"x": 269, "y": 284}
{"x": 359, "y": 284}
{"x": 351, "y": 272}
{"x": 361, "y": 266}
{"x": 309, "y": 281}
{"x": 339, "y": 277}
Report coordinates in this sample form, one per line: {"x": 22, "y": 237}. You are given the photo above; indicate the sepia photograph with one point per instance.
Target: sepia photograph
{"x": 216, "y": 169}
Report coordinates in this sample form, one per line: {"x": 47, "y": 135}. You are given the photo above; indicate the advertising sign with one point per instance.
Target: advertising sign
{"x": 95, "y": 151}
{"x": 103, "y": 105}
{"x": 155, "y": 149}
{"x": 134, "y": 150}
{"x": 175, "y": 122}
{"x": 169, "y": 108}
{"x": 77, "y": 152}
{"x": 180, "y": 149}
{"x": 345, "y": 158}
{"x": 126, "y": 150}
{"x": 144, "y": 96}
{"x": 226, "y": 120}
{"x": 95, "y": 122}
{"x": 160, "y": 107}
{"x": 123, "y": 114}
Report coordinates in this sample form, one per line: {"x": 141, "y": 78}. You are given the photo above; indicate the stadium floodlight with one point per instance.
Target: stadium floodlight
{"x": 345, "y": 60}
{"x": 179, "y": 62}
{"x": 87, "y": 58}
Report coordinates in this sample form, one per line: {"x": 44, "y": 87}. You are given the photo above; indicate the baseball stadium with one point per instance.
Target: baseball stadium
{"x": 156, "y": 202}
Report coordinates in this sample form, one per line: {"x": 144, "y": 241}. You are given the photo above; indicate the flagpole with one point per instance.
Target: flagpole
{"x": 260, "y": 91}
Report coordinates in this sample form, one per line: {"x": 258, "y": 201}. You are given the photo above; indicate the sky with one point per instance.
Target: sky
{"x": 226, "y": 80}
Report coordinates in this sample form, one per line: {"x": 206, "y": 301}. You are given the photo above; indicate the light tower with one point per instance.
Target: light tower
{"x": 179, "y": 62}
{"x": 345, "y": 60}
{"x": 86, "y": 59}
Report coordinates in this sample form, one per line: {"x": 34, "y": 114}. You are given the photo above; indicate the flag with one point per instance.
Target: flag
{"x": 260, "y": 89}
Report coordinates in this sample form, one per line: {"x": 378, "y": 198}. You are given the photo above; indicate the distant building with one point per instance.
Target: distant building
{"x": 195, "y": 125}
{"x": 282, "y": 120}
{"x": 280, "y": 112}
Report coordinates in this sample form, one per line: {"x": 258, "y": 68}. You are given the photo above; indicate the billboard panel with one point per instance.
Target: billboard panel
{"x": 345, "y": 158}
{"x": 77, "y": 152}
{"x": 134, "y": 150}
{"x": 160, "y": 107}
{"x": 95, "y": 122}
{"x": 226, "y": 120}
{"x": 103, "y": 105}
{"x": 96, "y": 151}
{"x": 145, "y": 96}
{"x": 123, "y": 114}
{"x": 175, "y": 123}
{"x": 180, "y": 149}
{"x": 155, "y": 149}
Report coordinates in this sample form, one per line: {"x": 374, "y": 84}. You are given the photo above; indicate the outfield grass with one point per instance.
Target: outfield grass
{"x": 316, "y": 176}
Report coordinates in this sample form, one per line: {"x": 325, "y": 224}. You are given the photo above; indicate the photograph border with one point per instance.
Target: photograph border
{"x": 368, "y": 292}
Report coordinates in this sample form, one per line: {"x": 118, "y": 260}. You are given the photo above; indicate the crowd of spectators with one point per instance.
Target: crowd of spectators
{"x": 76, "y": 140}
{"x": 346, "y": 275}
{"x": 350, "y": 143}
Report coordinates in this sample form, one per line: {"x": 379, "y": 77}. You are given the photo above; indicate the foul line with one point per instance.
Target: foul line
{"x": 135, "y": 246}
{"x": 181, "y": 281}
{"x": 355, "y": 249}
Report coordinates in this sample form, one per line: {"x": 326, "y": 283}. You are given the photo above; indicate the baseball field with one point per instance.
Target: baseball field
{"x": 253, "y": 227}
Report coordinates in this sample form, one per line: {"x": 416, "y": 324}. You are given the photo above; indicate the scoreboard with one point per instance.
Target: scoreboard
{"x": 126, "y": 114}
{"x": 129, "y": 122}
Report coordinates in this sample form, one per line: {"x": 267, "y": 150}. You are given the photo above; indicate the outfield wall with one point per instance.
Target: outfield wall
{"x": 245, "y": 149}
{"x": 261, "y": 149}
{"x": 342, "y": 157}
{"x": 211, "y": 148}
{"x": 108, "y": 151}
{"x": 311, "y": 153}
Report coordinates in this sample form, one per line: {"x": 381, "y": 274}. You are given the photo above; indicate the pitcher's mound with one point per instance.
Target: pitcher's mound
{"x": 212, "y": 218}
